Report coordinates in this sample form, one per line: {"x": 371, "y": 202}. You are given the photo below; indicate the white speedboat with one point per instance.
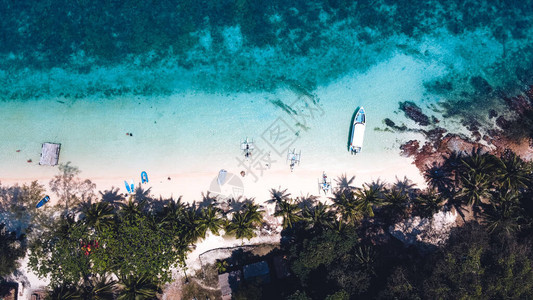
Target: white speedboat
{"x": 358, "y": 131}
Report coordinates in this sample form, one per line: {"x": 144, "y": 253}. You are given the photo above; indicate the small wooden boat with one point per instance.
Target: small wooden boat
{"x": 358, "y": 131}
{"x": 324, "y": 184}
{"x": 294, "y": 158}
{"x": 144, "y": 177}
{"x": 247, "y": 147}
{"x": 43, "y": 201}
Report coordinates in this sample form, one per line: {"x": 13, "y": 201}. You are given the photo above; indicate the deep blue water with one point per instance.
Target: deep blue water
{"x": 78, "y": 49}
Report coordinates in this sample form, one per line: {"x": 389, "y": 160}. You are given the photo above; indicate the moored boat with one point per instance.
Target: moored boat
{"x": 358, "y": 131}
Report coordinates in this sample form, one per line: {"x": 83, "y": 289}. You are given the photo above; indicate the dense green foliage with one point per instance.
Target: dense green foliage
{"x": 18, "y": 219}
{"x": 353, "y": 257}
{"x": 11, "y": 249}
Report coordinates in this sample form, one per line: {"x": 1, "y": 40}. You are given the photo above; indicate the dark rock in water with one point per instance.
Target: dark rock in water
{"x": 480, "y": 85}
{"x": 477, "y": 135}
{"x": 434, "y": 120}
{"x": 413, "y": 112}
{"x": 393, "y": 125}
{"x": 435, "y": 134}
{"x": 410, "y": 148}
{"x": 502, "y": 122}
{"x": 529, "y": 94}
{"x": 284, "y": 106}
{"x": 389, "y": 123}
{"x": 492, "y": 114}
{"x": 520, "y": 104}
{"x": 471, "y": 124}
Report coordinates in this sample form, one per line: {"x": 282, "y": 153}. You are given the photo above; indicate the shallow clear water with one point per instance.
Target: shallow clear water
{"x": 191, "y": 79}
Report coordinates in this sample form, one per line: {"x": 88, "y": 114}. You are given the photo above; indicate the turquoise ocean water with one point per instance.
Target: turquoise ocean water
{"x": 190, "y": 79}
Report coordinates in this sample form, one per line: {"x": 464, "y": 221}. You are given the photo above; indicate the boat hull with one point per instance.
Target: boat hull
{"x": 358, "y": 131}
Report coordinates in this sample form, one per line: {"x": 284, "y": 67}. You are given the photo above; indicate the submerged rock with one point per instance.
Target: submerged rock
{"x": 413, "y": 112}
{"x": 425, "y": 231}
{"x": 410, "y": 148}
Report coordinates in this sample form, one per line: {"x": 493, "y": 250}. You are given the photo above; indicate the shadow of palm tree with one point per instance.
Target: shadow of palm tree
{"x": 378, "y": 185}
{"x": 307, "y": 202}
{"x": 343, "y": 183}
{"x": 158, "y": 205}
{"x": 142, "y": 194}
{"x": 112, "y": 196}
{"x": 207, "y": 200}
{"x": 405, "y": 186}
{"x": 278, "y": 195}
{"x": 240, "y": 203}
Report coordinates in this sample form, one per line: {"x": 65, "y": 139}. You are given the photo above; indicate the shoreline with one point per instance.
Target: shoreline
{"x": 190, "y": 186}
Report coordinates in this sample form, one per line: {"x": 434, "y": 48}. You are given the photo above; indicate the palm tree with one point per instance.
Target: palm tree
{"x": 453, "y": 165}
{"x": 366, "y": 199}
{"x": 319, "y": 216}
{"x": 512, "y": 172}
{"x": 211, "y": 220}
{"x": 306, "y": 201}
{"x": 365, "y": 257}
{"x": 439, "y": 177}
{"x": 172, "y": 214}
{"x": 241, "y": 227}
{"x": 190, "y": 225}
{"x": 253, "y": 213}
{"x": 64, "y": 292}
{"x": 504, "y": 214}
{"x": 428, "y": 203}
{"x": 343, "y": 183}
{"x": 339, "y": 226}
{"x": 131, "y": 209}
{"x": 346, "y": 207}
{"x": 475, "y": 188}
{"x": 99, "y": 288}
{"x": 99, "y": 215}
{"x": 290, "y": 212}
{"x": 278, "y": 195}
{"x": 396, "y": 202}
{"x": 134, "y": 287}
{"x": 478, "y": 162}
{"x": 405, "y": 186}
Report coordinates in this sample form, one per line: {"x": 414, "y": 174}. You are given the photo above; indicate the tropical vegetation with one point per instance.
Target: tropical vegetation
{"x": 116, "y": 246}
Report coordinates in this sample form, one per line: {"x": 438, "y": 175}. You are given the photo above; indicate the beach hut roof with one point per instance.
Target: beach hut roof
{"x": 50, "y": 154}
{"x": 228, "y": 282}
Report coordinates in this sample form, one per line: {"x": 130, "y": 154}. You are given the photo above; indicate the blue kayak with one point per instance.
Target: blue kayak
{"x": 144, "y": 177}
{"x": 127, "y": 186}
{"x": 43, "y": 201}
